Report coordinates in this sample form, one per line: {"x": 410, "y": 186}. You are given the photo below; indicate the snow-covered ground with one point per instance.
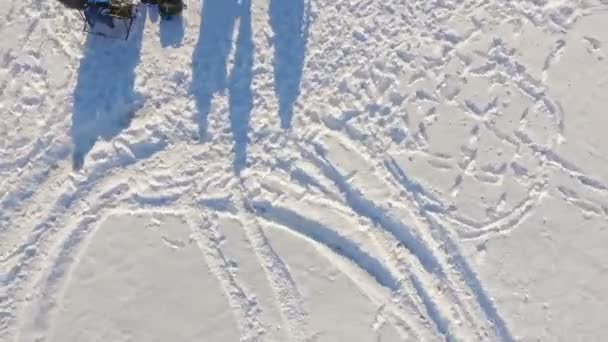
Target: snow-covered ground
{"x": 306, "y": 170}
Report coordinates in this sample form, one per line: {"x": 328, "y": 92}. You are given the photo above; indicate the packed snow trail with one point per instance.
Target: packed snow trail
{"x": 327, "y": 170}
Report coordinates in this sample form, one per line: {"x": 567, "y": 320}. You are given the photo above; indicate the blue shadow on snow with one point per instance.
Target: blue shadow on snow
{"x": 290, "y": 21}
{"x": 209, "y": 76}
{"x": 239, "y": 87}
{"x": 171, "y": 31}
{"x": 104, "y": 96}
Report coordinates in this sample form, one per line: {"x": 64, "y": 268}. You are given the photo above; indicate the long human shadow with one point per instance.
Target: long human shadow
{"x": 210, "y": 76}
{"x": 104, "y": 96}
{"x": 289, "y": 21}
{"x": 241, "y": 97}
{"x": 210, "y": 56}
{"x": 171, "y": 31}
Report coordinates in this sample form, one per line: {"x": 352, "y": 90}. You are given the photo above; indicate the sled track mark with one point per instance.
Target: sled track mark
{"x": 244, "y": 307}
{"x": 284, "y": 287}
{"x": 84, "y": 187}
{"x": 474, "y": 284}
{"x": 463, "y": 279}
{"x": 377, "y": 215}
{"x": 73, "y": 198}
{"x": 62, "y": 255}
{"x": 456, "y": 258}
{"x": 431, "y": 307}
{"x": 333, "y": 240}
{"x": 400, "y": 315}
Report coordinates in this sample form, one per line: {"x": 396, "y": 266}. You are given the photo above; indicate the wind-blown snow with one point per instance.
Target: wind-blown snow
{"x": 303, "y": 170}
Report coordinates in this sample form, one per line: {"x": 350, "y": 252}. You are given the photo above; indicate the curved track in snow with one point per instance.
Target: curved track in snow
{"x": 385, "y": 134}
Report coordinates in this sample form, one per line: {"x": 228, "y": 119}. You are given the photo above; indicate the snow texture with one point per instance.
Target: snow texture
{"x": 306, "y": 170}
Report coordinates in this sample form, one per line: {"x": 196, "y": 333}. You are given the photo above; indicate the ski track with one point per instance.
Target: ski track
{"x": 244, "y": 307}
{"x": 420, "y": 251}
{"x": 267, "y": 121}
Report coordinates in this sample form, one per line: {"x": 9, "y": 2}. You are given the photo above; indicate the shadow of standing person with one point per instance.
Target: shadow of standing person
{"x": 210, "y": 56}
{"x": 289, "y": 22}
{"x": 104, "y": 96}
{"x": 241, "y": 97}
{"x": 171, "y": 31}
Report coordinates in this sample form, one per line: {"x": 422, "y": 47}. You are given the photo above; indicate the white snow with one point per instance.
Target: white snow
{"x": 148, "y": 284}
{"x": 306, "y": 170}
